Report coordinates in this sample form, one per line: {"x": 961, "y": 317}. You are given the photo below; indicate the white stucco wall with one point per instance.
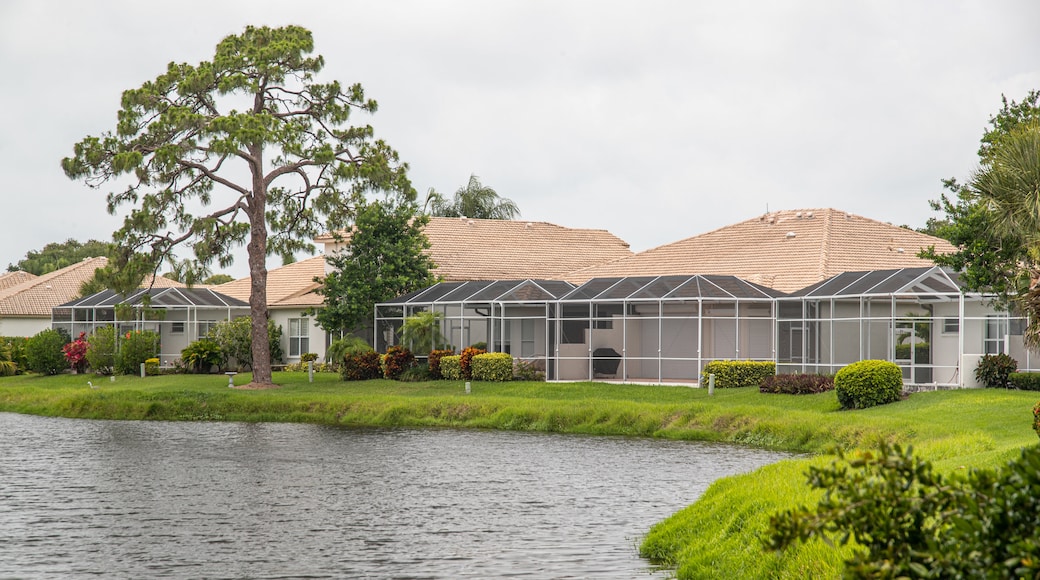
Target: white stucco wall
{"x": 22, "y": 326}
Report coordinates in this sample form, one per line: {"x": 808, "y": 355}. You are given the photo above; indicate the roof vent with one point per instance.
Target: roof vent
{"x": 49, "y": 287}
{"x": 798, "y": 215}
{"x": 900, "y": 250}
{"x": 529, "y": 225}
{"x": 470, "y": 222}
{"x": 809, "y": 215}
{"x": 462, "y": 218}
{"x": 772, "y": 219}
{"x": 790, "y": 235}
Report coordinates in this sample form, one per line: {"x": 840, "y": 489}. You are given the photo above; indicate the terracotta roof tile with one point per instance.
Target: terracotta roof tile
{"x": 8, "y": 279}
{"x": 477, "y": 249}
{"x": 290, "y": 285}
{"x": 36, "y": 296}
{"x": 784, "y": 250}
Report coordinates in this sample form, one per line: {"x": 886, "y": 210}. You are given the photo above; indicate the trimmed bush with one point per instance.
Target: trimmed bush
{"x": 1024, "y": 381}
{"x": 737, "y": 373}
{"x": 44, "y": 352}
{"x": 308, "y": 357}
{"x": 492, "y": 366}
{"x": 796, "y": 384}
{"x": 151, "y": 367}
{"x": 101, "y": 350}
{"x": 868, "y": 383}
{"x": 360, "y": 366}
{"x": 466, "y": 360}
{"x": 993, "y": 370}
{"x": 451, "y": 367}
{"x": 435, "y": 362}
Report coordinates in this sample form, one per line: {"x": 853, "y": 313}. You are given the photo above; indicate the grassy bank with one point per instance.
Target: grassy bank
{"x": 716, "y": 537}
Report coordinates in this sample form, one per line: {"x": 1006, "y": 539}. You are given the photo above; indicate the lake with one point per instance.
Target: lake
{"x": 131, "y": 499}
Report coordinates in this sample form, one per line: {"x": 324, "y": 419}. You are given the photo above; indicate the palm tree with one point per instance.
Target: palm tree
{"x": 474, "y": 200}
{"x": 1008, "y": 187}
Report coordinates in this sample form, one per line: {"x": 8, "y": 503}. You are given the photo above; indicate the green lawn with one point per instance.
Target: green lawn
{"x": 717, "y": 536}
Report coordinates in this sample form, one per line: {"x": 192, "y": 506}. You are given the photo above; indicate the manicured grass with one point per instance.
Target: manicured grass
{"x": 715, "y": 537}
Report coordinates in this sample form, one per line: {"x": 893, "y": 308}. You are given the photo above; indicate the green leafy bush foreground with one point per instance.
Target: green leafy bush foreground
{"x": 908, "y": 521}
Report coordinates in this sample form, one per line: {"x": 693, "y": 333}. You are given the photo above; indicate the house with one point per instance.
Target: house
{"x": 841, "y": 288}
{"x": 26, "y": 301}
{"x": 462, "y": 249}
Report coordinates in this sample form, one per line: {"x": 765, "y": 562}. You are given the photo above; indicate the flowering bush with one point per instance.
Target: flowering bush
{"x": 435, "y": 362}
{"x": 76, "y": 353}
{"x": 466, "y": 360}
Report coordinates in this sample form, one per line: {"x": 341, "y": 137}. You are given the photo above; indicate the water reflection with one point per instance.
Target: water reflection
{"x": 229, "y": 500}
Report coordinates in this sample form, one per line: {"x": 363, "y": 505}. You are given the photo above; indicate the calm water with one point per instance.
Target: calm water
{"x": 229, "y": 500}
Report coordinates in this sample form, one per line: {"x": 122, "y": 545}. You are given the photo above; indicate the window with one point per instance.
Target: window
{"x": 176, "y": 328}
{"x": 951, "y": 326}
{"x": 996, "y": 329}
{"x": 205, "y": 326}
{"x": 299, "y": 336}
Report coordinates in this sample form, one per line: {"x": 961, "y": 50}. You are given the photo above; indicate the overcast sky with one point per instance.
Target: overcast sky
{"x": 654, "y": 120}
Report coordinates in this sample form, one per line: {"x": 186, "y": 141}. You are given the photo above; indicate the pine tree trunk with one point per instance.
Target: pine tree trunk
{"x": 257, "y": 250}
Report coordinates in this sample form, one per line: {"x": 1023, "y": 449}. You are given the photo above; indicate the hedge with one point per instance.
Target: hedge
{"x": 737, "y": 373}
{"x": 493, "y": 366}
{"x": 451, "y": 367}
{"x": 1025, "y": 381}
{"x": 868, "y": 383}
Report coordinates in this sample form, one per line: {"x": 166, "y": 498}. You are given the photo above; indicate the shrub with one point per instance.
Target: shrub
{"x": 44, "y": 352}
{"x": 151, "y": 366}
{"x": 451, "y": 367}
{"x": 908, "y": 521}
{"x": 993, "y": 370}
{"x": 201, "y": 355}
{"x": 360, "y": 366}
{"x": 340, "y": 347}
{"x": 76, "y": 353}
{"x": 737, "y": 373}
{"x": 135, "y": 347}
{"x": 492, "y": 366}
{"x": 466, "y": 359}
{"x": 7, "y": 364}
{"x": 301, "y": 367}
{"x": 15, "y": 346}
{"x": 308, "y": 357}
{"x": 415, "y": 374}
{"x": 435, "y": 362}
{"x": 796, "y": 384}
{"x": 1025, "y": 381}
{"x": 1036, "y": 418}
{"x": 235, "y": 338}
{"x": 101, "y": 350}
{"x": 525, "y": 370}
{"x": 396, "y": 360}
{"x": 868, "y": 383}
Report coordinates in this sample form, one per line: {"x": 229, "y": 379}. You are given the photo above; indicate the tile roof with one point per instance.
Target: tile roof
{"x": 35, "y": 297}
{"x": 479, "y": 249}
{"x": 784, "y": 250}
{"x": 287, "y": 286}
{"x": 8, "y": 279}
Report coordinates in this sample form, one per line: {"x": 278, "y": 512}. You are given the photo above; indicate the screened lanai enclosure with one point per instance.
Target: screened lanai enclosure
{"x": 916, "y": 317}
{"x": 654, "y": 329}
{"x": 179, "y": 315}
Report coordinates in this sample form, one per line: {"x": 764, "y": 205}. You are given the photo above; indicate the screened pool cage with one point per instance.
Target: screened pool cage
{"x": 655, "y": 329}
{"x": 915, "y": 317}
{"x": 179, "y": 315}
{"x": 664, "y": 329}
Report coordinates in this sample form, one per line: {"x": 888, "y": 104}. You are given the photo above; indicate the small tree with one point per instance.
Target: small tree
{"x": 421, "y": 332}
{"x": 384, "y": 258}
{"x": 255, "y": 141}
{"x": 236, "y": 341}
{"x": 474, "y": 200}
{"x": 101, "y": 350}
{"x": 44, "y": 352}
